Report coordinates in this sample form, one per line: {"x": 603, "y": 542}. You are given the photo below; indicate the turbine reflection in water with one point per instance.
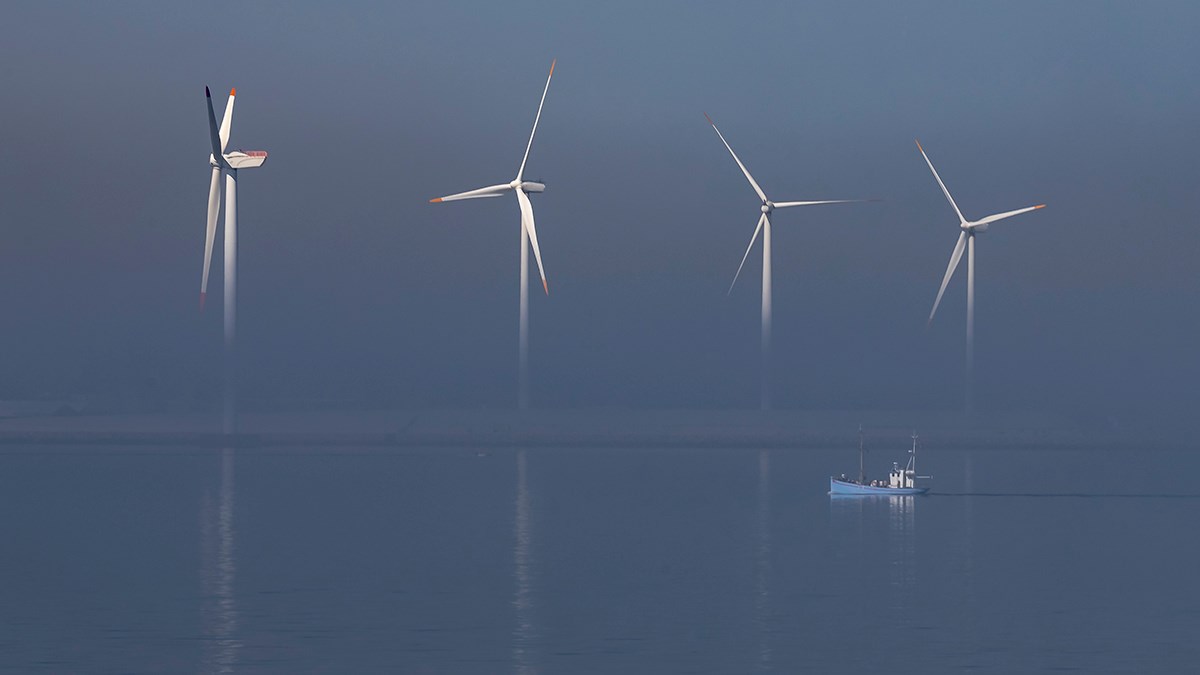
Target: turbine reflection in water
{"x": 968, "y": 555}
{"x": 762, "y": 576}
{"x": 525, "y": 633}
{"x": 219, "y": 609}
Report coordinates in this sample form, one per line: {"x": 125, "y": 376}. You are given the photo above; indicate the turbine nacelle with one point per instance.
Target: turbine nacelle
{"x": 767, "y": 207}
{"x": 249, "y": 159}
{"x": 527, "y": 186}
{"x": 238, "y": 159}
{"x": 975, "y": 227}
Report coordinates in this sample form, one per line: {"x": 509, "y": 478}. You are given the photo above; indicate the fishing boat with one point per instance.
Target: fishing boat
{"x": 899, "y": 481}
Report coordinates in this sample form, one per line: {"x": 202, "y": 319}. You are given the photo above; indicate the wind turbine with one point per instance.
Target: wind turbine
{"x": 227, "y": 163}
{"x": 764, "y": 225}
{"x": 521, "y": 187}
{"x": 966, "y": 239}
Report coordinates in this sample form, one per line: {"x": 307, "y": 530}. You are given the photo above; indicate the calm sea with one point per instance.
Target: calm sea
{"x": 605, "y": 561}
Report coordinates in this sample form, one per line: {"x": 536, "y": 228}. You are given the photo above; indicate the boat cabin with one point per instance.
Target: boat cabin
{"x": 902, "y": 478}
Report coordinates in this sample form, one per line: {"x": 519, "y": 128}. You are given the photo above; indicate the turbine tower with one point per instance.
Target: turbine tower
{"x": 227, "y": 163}
{"x": 521, "y": 187}
{"x": 966, "y": 239}
{"x": 764, "y": 225}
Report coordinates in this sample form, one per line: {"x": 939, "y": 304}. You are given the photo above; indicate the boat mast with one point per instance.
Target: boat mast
{"x": 862, "y": 472}
{"x": 912, "y": 461}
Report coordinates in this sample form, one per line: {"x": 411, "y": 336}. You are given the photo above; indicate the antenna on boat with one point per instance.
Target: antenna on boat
{"x": 913, "y": 456}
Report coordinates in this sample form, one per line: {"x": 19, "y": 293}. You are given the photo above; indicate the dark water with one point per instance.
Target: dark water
{"x": 582, "y": 561}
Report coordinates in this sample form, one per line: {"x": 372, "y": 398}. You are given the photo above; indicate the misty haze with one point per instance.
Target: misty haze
{"x": 380, "y": 470}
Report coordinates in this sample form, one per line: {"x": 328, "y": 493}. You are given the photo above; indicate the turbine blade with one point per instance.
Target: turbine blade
{"x": 1008, "y": 214}
{"x": 489, "y": 191}
{"x": 784, "y": 205}
{"x": 939, "y": 180}
{"x": 750, "y": 178}
{"x": 521, "y": 171}
{"x": 213, "y": 134}
{"x": 745, "y": 255}
{"x": 227, "y": 120}
{"x": 955, "y": 256}
{"x": 527, "y": 223}
{"x": 214, "y": 205}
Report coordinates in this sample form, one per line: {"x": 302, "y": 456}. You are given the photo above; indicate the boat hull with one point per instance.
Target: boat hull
{"x": 839, "y": 487}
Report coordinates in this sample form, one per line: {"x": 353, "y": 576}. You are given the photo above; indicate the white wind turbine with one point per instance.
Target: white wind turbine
{"x": 227, "y": 163}
{"x": 764, "y": 224}
{"x": 521, "y": 187}
{"x": 966, "y": 239}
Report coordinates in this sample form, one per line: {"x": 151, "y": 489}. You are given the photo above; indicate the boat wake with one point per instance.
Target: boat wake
{"x": 1077, "y": 495}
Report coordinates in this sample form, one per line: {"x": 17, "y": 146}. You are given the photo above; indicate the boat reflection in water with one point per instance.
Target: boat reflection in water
{"x": 878, "y": 528}
{"x": 902, "y": 548}
{"x": 218, "y": 568}
{"x": 525, "y": 633}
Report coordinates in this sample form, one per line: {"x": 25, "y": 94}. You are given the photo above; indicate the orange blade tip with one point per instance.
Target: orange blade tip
{"x": 545, "y": 287}
{"x": 1040, "y": 206}
{"x": 233, "y": 92}
{"x": 435, "y": 200}
{"x": 202, "y": 298}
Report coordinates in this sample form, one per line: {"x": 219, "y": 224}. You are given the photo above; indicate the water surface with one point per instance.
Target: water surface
{"x": 570, "y": 560}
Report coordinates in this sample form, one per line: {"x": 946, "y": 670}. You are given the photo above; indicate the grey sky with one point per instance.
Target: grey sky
{"x": 353, "y": 287}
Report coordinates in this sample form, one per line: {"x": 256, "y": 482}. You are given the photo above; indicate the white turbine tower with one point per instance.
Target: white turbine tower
{"x": 227, "y": 163}
{"x": 966, "y": 239}
{"x": 521, "y": 187}
{"x": 764, "y": 225}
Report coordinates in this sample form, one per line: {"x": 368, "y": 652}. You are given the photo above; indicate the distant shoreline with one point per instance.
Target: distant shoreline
{"x": 577, "y": 429}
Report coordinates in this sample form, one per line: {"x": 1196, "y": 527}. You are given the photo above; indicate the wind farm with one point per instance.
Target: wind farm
{"x": 366, "y": 295}
{"x": 225, "y": 163}
{"x": 341, "y": 457}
